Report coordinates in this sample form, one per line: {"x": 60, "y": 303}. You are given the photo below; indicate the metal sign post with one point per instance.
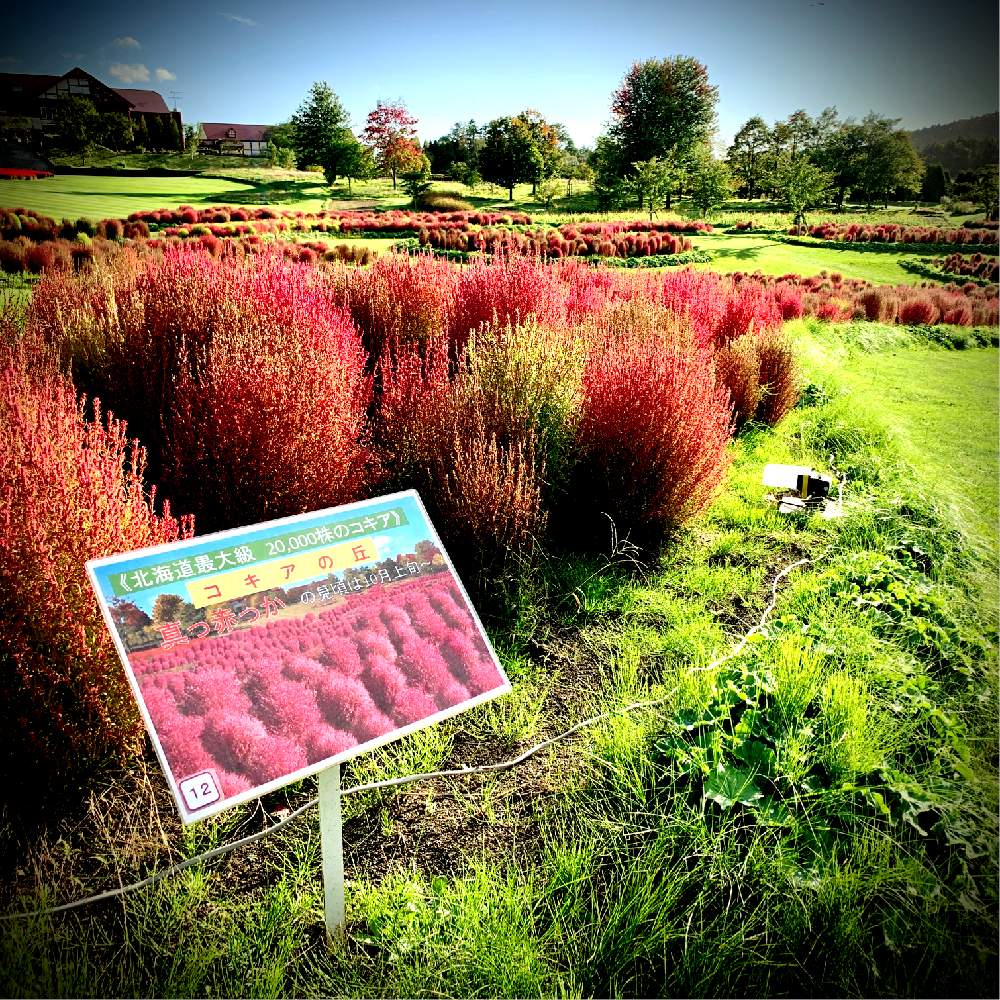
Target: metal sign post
{"x": 332, "y": 847}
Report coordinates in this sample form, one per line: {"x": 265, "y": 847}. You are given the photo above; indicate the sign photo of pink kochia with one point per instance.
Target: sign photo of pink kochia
{"x": 261, "y": 655}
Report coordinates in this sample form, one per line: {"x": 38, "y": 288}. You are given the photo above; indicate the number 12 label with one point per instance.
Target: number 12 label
{"x": 200, "y": 790}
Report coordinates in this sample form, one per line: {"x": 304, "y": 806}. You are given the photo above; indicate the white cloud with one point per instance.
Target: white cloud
{"x": 127, "y": 42}
{"x": 164, "y": 74}
{"x": 238, "y": 18}
{"x": 130, "y": 72}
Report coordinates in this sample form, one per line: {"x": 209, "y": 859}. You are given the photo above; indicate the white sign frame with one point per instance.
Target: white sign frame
{"x": 201, "y": 794}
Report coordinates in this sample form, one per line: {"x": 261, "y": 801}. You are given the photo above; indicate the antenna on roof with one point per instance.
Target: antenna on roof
{"x": 174, "y": 95}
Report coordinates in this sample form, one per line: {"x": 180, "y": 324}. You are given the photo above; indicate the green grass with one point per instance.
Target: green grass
{"x": 817, "y": 817}
{"x": 749, "y": 252}
{"x": 70, "y": 197}
{"x": 943, "y": 405}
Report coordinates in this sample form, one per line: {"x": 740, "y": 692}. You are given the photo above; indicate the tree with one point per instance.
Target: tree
{"x": 346, "y": 157}
{"x": 662, "y": 105}
{"x": 888, "y": 162}
{"x": 141, "y": 133}
{"x": 985, "y": 190}
{"x": 609, "y": 168}
{"x": 546, "y": 138}
{"x": 358, "y": 164}
{"x": 281, "y": 145}
{"x": 841, "y": 157}
{"x": 801, "y": 185}
{"x": 546, "y": 194}
{"x": 193, "y": 135}
{"x": 651, "y": 179}
{"x": 748, "y": 155}
{"x": 117, "y": 132}
{"x": 173, "y": 134}
{"x": 800, "y": 132}
{"x": 401, "y": 156}
{"x": 317, "y": 125}
{"x": 389, "y": 129}
{"x": 461, "y": 145}
{"x": 509, "y": 154}
{"x": 935, "y": 185}
{"x": 416, "y": 182}
{"x": 710, "y": 181}
{"x": 78, "y": 122}
{"x": 167, "y": 608}
{"x": 127, "y": 614}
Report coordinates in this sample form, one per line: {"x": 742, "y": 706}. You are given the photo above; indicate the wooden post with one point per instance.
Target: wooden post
{"x": 332, "y": 847}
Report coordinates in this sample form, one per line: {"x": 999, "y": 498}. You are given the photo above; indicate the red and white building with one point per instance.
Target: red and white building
{"x": 32, "y": 99}
{"x": 234, "y": 140}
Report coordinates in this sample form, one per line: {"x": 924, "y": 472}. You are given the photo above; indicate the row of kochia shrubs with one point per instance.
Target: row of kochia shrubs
{"x": 528, "y": 403}
{"x": 827, "y": 297}
{"x": 890, "y": 232}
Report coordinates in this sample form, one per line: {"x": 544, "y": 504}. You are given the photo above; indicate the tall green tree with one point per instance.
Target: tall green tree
{"x": 748, "y": 155}
{"x": 347, "y": 157}
{"x": 935, "y": 184}
{"x": 117, "y": 132}
{"x": 193, "y": 135}
{"x": 546, "y": 139}
{"x": 79, "y": 124}
{"x": 318, "y": 125}
{"x": 889, "y": 163}
{"x": 652, "y": 179}
{"x": 801, "y": 185}
{"x": 709, "y": 180}
{"x": 663, "y": 105}
{"x": 417, "y": 181}
{"x": 509, "y": 155}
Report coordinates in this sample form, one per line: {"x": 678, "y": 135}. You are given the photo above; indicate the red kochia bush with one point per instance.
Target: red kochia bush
{"x": 70, "y": 490}
{"x": 779, "y": 386}
{"x": 652, "y": 439}
{"x": 244, "y": 378}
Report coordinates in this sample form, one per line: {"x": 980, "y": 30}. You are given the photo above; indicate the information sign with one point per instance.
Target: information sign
{"x": 264, "y": 654}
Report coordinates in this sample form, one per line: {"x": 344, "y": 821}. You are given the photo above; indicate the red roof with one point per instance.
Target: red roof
{"x": 144, "y": 100}
{"x": 215, "y": 131}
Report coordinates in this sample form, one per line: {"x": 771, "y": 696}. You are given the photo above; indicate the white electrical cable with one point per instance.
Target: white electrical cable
{"x": 410, "y": 778}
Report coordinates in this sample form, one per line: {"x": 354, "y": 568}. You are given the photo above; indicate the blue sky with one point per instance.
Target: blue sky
{"x": 252, "y": 62}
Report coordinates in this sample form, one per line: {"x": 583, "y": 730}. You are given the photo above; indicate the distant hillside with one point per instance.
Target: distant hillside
{"x": 983, "y": 127}
{"x": 960, "y": 146}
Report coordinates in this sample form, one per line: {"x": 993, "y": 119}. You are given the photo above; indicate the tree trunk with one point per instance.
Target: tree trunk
{"x": 394, "y": 178}
{"x": 667, "y": 202}
{"x": 348, "y": 183}
{"x": 510, "y": 195}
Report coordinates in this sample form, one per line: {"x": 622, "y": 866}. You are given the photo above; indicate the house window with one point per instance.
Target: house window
{"x": 231, "y": 134}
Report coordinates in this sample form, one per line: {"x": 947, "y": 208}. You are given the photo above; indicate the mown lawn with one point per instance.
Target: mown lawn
{"x": 75, "y": 197}
{"x": 814, "y": 818}
{"x": 748, "y": 252}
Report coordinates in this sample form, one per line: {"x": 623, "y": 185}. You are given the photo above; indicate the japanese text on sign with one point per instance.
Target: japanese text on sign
{"x": 279, "y": 572}
{"x": 232, "y": 558}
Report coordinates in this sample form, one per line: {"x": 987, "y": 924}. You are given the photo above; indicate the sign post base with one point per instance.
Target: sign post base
{"x": 332, "y": 847}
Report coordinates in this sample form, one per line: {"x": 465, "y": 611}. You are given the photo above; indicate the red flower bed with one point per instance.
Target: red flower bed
{"x": 888, "y": 232}
{"x": 71, "y": 489}
{"x": 975, "y": 266}
{"x": 13, "y": 173}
